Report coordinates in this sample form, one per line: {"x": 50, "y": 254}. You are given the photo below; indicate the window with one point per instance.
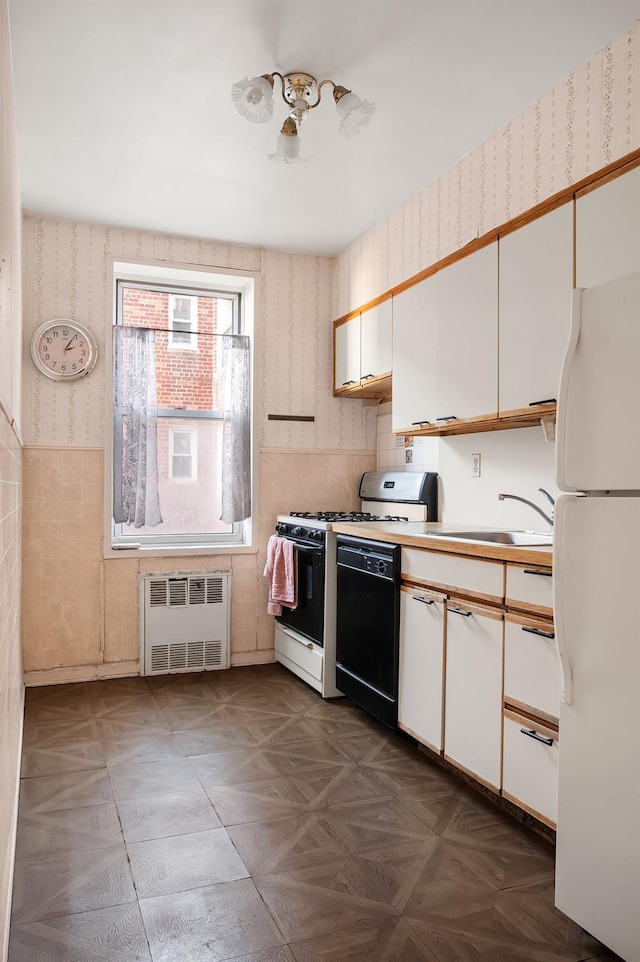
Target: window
{"x": 182, "y": 456}
{"x": 183, "y": 322}
{"x": 179, "y": 466}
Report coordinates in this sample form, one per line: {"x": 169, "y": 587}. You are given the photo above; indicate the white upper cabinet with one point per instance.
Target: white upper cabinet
{"x": 467, "y": 337}
{"x": 414, "y": 355}
{"x": 536, "y": 280}
{"x": 363, "y": 352}
{"x": 608, "y": 231}
{"x": 375, "y": 341}
{"x": 347, "y": 354}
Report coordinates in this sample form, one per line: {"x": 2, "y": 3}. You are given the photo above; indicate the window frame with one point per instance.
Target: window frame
{"x": 239, "y": 287}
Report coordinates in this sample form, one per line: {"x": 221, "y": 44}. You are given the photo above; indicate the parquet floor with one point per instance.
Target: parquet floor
{"x": 235, "y": 815}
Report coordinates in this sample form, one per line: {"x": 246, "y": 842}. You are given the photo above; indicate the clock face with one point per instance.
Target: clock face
{"x": 64, "y": 350}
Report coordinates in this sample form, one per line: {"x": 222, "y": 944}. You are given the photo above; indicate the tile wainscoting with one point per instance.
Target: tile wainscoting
{"x": 80, "y": 612}
{"x": 11, "y": 688}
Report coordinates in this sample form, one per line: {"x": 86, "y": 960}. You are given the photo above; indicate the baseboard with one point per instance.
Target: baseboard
{"x": 75, "y": 673}
{"x": 263, "y": 657}
{"x": 125, "y": 669}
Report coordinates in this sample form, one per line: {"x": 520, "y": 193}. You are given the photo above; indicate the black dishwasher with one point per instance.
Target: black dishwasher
{"x": 368, "y": 617}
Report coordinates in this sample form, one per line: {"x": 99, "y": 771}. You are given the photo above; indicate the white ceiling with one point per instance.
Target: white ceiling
{"x": 125, "y": 116}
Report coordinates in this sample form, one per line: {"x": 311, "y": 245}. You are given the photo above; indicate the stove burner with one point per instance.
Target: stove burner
{"x": 334, "y": 515}
{"x": 347, "y": 516}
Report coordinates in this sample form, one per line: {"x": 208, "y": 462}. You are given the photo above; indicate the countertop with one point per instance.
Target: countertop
{"x": 419, "y": 534}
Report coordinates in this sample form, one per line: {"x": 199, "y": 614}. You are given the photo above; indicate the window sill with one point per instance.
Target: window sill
{"x": 173, "y": 551}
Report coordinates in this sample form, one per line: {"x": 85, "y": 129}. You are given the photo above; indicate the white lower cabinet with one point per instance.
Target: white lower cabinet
{"x": 531, "y": 666}
{"x": 421, "y": 675}
{"x": 530, "y": 766}
{"x": 473, "y": 690}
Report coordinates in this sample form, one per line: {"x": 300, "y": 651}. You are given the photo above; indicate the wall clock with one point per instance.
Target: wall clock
{"x": 64, "y": 350}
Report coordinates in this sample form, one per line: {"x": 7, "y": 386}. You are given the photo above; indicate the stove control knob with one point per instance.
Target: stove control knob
{"x": 280, "y": 527}
{"x": 296, "y": 531}
{"x": 317, "y": 535}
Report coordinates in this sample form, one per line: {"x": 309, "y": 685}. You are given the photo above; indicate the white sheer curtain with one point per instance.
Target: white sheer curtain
{"x": 236, "y": 434}
{"x": 135, "y": 441}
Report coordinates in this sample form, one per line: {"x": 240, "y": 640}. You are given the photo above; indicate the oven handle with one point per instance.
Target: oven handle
{"x": 308, "y": 550}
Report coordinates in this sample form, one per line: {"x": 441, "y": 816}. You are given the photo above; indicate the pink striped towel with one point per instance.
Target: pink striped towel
{"x": 281, "y": 571}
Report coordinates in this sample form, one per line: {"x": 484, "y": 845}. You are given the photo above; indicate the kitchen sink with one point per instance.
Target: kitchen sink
{"x": 523, "y": 538}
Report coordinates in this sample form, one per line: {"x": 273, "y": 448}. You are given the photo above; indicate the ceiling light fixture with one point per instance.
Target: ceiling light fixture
{"x": 301, "y": 92}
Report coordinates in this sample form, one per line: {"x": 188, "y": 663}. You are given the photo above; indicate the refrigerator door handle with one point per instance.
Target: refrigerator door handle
{"x": 558, "y": 600}
{"x": 563, "y": 391}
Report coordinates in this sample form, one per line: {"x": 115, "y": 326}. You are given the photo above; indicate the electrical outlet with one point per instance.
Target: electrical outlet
{"x": 475, "y": 465}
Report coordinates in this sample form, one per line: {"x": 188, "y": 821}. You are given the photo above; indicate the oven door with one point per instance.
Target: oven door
{"x": 308, "y": 618}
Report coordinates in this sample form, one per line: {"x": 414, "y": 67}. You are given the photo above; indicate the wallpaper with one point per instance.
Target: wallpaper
{"x": 585, "y": 122}
{"x": 67, "y": 274}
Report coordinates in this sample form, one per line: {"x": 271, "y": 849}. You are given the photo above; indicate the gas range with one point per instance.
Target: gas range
{"x": 305, "y": 636}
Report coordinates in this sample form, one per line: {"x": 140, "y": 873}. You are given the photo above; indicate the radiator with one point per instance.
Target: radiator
{"x": 184, "y": 621}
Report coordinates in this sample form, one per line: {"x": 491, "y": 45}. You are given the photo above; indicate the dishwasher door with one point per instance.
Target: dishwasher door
{"x": 368, "y": 606}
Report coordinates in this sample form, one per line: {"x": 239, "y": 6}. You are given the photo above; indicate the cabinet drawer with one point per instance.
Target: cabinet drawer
{"x": 530, "y": 767}
{"x": 531, "y": 665}
{"x": 303, "y": 655}
{"x": 480, "y": 579}
{"x": 530, "y": 587}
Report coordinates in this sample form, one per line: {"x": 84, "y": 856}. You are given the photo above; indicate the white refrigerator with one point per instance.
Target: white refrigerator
{"x": 596, "y": 567}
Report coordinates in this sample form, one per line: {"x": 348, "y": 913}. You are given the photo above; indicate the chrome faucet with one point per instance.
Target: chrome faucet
{"x": 515, "y": 497}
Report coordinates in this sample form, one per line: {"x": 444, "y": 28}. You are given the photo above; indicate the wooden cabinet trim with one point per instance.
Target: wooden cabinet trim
{"x": 530, "y": 811}
{"x": 419, "y": 738}
{"x": 529, "y": 620}
{"x": 378, "y": 387}
{"x": 458, "y": 601}
{"x": 515, "y": 605}
{"x": 530, "y": 714}
{"x": 486, "y": 422}
{"x": 476, "y": 778}
{"x": 436, "y": 596}
{"x": 450, "y": 591}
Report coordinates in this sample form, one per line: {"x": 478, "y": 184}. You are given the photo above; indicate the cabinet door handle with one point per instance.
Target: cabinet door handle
{"x": 419, "y": 423}
{"x": 533, "y": 571}
{"x": 450, "y": 417}
{"x": 460, "y": 611}
{"x": 347, "y": 383}
{"x": 363, "y": 377}
{"x": 547, "y": 400}
{"x": 425, "y": 601}
{"x": 538, "y": 631}
{"x": 532, "y": 733}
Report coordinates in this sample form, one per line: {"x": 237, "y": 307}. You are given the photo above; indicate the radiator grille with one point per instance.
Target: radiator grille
{"x": 185, "y": 621}
{"x": 183, "y": 656}
{"x": 181, "y": 591}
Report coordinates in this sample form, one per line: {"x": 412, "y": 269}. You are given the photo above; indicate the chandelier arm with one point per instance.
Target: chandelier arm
{"x": 321, "y": 84}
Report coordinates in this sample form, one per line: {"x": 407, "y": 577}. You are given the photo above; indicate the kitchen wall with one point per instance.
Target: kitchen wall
{"x": 588, "y": 120}
{"x": 80, "y": 611}
{"x": 11, "y": 687}
{"x": 516, "y": 462}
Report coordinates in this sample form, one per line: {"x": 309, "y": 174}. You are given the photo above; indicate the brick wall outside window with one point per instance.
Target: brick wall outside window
{"x": 188, "y": 379}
